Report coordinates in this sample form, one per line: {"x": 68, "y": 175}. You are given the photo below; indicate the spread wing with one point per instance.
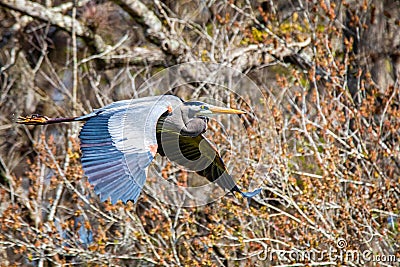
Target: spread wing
{"x": 207, "y": 162}
{"x": 118, "y": 142}
{"x": 198, "y": 154}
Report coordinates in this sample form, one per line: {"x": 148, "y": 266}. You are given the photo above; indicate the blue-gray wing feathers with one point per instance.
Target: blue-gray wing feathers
{"x": 116, "y": 145}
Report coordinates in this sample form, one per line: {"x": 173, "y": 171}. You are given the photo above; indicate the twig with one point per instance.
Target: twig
{"x": 46, "y": 14}
{"x": 148, "y": 18}
{"x": 71, "y": 187}
{"x": 71, "y": 25}
{"x": 74, "y": 64}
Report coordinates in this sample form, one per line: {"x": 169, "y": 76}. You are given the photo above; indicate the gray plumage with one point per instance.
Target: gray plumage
{"x": 120, "y": 140}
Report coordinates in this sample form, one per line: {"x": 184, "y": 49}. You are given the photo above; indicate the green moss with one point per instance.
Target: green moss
{"x": 320, "y": 28}
{"x": 257, "y": 34}
{"x": 245, "y": 41}
{"x": 210, "y": 28}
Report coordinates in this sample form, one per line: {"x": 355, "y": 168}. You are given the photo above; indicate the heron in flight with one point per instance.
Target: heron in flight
{"x": 119, "y": 141}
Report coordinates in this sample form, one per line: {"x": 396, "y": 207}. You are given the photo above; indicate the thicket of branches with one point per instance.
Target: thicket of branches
{"x": 329, "y": 71}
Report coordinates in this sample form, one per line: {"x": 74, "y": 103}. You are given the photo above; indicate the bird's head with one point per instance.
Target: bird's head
{"x": 201, "y": 109}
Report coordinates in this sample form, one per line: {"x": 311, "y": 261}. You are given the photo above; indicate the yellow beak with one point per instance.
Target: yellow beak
{"x": 226, "y": 110}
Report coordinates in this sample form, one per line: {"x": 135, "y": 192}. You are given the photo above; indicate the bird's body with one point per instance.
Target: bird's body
{"x": 119, "y": 141}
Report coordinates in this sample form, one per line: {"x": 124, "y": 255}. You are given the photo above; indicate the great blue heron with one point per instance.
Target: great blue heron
{"x": 120, "y": 140}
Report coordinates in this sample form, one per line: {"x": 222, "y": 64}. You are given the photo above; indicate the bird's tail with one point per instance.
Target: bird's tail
{"x": 246, "y": 194}
{"x": 37, "y": 119}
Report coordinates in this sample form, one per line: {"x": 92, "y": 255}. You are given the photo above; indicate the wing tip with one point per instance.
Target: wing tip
{"x": 247, "y": 194}
{"x": 251, "y": 194}
{"x": 117, "y": 190}
{"x": 115, "y": 200}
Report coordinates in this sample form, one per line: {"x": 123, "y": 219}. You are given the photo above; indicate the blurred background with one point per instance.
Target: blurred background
{"x": 323, "y": 142}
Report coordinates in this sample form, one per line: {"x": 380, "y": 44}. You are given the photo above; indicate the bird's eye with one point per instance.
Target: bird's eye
{"x": 202, "y": 107}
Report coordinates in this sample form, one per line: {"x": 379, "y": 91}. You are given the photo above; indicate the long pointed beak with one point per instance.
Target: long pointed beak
{"x": 226, "y": 110}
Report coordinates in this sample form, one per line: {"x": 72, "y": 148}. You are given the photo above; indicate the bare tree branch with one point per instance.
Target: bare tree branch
{"x": 40, "y": 12}
{"x": 66, "y": 23}
{"x": 155, "y": 30}
{"x": 255, "y": 55}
